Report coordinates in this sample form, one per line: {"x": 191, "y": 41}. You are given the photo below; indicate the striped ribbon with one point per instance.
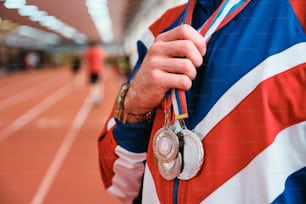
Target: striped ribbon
{"x": 227, "y": 10}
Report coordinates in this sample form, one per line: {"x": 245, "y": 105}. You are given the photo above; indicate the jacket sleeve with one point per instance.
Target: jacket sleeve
{"x": 122, "y": 153}
{"x": 123, "y": 147}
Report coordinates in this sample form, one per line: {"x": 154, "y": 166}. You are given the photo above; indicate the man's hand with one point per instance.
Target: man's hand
{"x": 171, "y": 62}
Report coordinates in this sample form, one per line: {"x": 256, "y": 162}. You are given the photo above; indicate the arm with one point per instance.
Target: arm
{"x": 169, "y": 63}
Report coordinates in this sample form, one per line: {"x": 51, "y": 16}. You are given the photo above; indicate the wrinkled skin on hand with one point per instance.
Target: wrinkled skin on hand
{"x": 170, "y": 62}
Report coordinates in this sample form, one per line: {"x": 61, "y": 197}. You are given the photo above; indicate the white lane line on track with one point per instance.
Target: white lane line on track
{"x": 62, "y": 152}
{"x": 23, "y": 95}
{"x": 34, "y": 112}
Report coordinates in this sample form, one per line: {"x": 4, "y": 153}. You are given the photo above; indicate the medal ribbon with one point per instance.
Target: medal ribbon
{"x": 227, "y": 10}
{"x": 169, "y": 119}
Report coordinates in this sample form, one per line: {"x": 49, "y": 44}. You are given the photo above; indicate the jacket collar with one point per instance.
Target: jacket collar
{"x": 209, "y": 3}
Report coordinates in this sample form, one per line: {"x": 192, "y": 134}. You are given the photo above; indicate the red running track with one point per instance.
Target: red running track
{"x": 48, "y": 137}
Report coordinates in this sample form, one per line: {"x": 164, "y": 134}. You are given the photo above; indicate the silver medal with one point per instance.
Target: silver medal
{"x": 165, "y": 145}
{"x": 193, "y": 155}
{"x": 178, "y": 151}
{"x": 170, "y": 170}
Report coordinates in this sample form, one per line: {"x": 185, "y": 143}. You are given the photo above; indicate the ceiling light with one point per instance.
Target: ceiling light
{"x": 27, "y": 10}
{"x": 50, "y": 22}
{"x": 68, "y": 32}
{"x": 80, "y": 38}
{"x": 38, "y": 15}
{"x": 98, "y": 10}
{"x": 14, "y": 4}
{"x": 39, "y": 35}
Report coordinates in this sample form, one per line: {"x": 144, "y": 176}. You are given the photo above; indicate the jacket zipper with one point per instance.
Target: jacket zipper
{"x": 175, "y": 191}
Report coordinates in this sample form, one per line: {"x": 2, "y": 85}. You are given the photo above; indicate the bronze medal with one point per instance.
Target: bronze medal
{"x": 165, "y": 145}
{"x": 193, "y": 155}
{"x": 170, "y": 170}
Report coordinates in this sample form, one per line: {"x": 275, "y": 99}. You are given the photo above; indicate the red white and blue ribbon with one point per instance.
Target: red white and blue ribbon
{"x": 227, "y": 10}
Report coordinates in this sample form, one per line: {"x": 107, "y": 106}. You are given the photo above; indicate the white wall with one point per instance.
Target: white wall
{"x": 151, "y": 11}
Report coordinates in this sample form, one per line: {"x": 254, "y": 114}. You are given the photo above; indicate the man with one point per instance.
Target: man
{"x": 244, "y": 100}
{"x": 94, "y": 57}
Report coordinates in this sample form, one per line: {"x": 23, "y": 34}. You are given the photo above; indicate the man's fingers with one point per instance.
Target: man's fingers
{"x": 177, "y": 49}
{"x": 185, "y": 32}
{"x": 177, "y": 66}
{"x": 178, "y": 81}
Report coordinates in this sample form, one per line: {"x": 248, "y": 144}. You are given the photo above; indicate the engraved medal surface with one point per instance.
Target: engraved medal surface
{"x": 165, "y": 145}
{"x": 193, "y": 155}
{"x": 170, "y": 170}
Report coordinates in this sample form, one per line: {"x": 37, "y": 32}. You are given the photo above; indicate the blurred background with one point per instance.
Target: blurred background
{"x": 56, "y": 29}
{"x": 48, "y": 125}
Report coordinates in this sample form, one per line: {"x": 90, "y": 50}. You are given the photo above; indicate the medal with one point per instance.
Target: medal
{"x": 165, "y": 141}
{"x": 165, "y": 145}
{"x": 178, "y": 151}
{"x": 170, "y": 170}
{"x": 193, "y": 155}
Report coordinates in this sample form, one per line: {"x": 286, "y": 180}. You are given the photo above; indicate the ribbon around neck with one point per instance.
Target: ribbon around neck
{"x": 226, "y": 11}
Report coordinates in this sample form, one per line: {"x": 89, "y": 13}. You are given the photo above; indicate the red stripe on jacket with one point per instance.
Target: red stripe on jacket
{"x": 299, "y": 6}
{"x": 233, "y": 143}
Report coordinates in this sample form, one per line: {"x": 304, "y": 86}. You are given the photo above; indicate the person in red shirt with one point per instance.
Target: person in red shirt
{"x": 94, "y": 58}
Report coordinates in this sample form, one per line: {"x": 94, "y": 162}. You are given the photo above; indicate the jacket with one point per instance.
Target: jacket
{"x": 247, "y": 104}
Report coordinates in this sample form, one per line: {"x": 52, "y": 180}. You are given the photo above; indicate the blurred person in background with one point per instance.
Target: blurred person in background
{"x": 214, "y": 109}
{"x": 32, "y": 60}
{"x": 94, "y": 59}
{"x": 76, "y": 63}
{"x": 3, "y": 58}
{"x": 14, "y": 60}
